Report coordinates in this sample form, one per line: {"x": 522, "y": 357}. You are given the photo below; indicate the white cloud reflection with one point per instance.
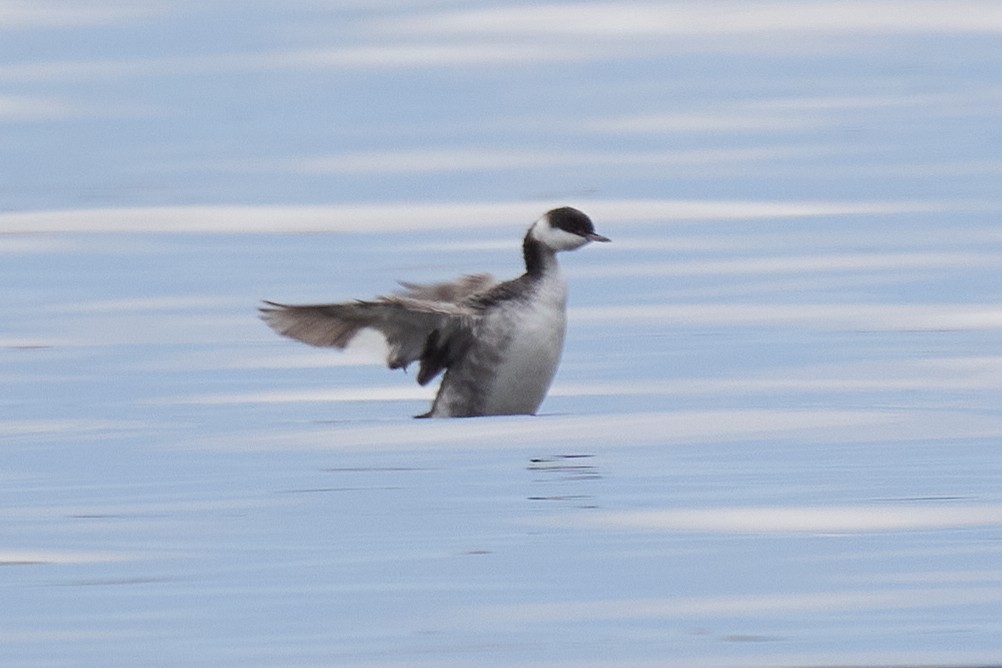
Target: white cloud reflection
{"x": 36, "y": 109}
{"x": 37, "y": 14}
{"x": 407, "y": 56}
{"x": 793, "y": 114}
{"x": 430, "y": 216}
{"x": 21, "y": 107}
{"x": 730, "y": 606}
{"x": 72, "y": 427}
{"x": 796, "y": 264}
{"x": 933, "y": 375}
{"x": 799, "y": 519}
{"x": 631, "y": 20}
{"x": 681, "y": 427}
{"x": 842, "y": 316}
{"x": 43, "y": 556}
{"x": 466, "y": 159}
{"x": 400, "y": 392}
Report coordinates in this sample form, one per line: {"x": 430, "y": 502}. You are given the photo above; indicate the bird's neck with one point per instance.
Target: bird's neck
{"x": 539, "y": 258}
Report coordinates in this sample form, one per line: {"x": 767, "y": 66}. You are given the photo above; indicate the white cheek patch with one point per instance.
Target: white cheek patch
{"x": 556, "y": 238}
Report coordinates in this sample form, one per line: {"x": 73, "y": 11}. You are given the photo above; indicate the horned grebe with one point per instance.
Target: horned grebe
{"x": 498, "y": 343}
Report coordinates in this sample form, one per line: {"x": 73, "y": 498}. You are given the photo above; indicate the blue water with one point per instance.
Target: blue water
{"x": 774, "y": 436}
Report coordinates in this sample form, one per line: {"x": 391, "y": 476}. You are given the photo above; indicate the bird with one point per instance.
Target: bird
{"x": 497, "y": 342}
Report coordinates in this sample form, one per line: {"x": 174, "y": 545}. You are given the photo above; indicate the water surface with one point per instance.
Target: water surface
{"x": 774, "y": 436}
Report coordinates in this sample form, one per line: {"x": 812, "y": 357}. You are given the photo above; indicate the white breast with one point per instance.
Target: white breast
{"x": 529, "y": 361}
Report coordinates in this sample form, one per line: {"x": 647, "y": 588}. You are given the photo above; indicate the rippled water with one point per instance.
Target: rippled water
{"x": 774, "y": 439}
{"x": 757, "y": 451}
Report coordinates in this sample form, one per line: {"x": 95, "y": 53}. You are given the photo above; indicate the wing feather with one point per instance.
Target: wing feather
{"x": 451, "y": 292}
{"x": 407, "y": 324}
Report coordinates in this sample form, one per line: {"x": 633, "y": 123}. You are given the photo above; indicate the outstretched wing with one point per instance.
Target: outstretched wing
{"x": 451, "y": 292}
{"x": 434, "y": 332}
